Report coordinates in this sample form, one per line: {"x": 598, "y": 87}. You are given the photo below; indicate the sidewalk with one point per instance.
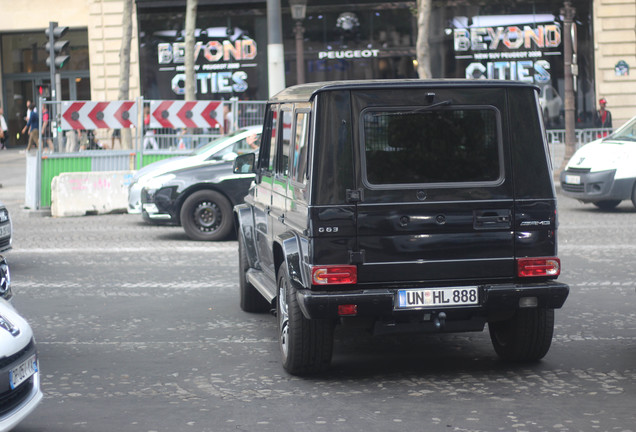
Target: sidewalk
{"x": 13, "y": 182}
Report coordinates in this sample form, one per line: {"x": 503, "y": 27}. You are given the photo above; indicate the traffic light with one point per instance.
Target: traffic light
{"x": 56, "y": 47}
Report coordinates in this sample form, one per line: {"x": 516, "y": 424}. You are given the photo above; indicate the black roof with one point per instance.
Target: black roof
{"x": 306, "y": 92}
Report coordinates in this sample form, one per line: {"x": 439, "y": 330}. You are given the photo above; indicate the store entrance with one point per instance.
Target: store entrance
{"x": 18, "y": 91}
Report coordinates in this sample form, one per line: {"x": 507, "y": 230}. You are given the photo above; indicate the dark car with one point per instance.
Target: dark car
{"x": 402, "y": 206}
{"x": 6, "y": 229}
{"x": 199, "y": 198}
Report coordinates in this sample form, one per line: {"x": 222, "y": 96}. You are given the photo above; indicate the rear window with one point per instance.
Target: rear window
{"x": 444, "y": 146}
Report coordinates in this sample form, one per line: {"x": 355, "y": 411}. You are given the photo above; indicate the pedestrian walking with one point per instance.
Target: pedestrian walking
{"x": 46, "y": 129}
{"x": 32, "y": 128}
{"x": 4, "y": 131}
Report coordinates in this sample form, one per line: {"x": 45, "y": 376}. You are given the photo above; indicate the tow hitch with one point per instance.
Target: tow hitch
{"x": 440, "y": 320}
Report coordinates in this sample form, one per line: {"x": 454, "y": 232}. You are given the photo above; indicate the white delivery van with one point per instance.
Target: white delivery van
{"x": 603, "y": 172}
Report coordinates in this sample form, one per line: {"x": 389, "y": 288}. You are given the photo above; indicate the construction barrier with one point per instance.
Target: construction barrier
{"x": 100, "y": 136}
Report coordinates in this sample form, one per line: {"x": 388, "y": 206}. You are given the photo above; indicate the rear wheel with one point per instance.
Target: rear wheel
{"x": 634, "y": 195}
{"x": 251, "y": 299}
{"x": 305, "y": 345}
{"x": 607, "y": 205}
{"x": 525, "y": 337}
{"x": 206, "y": 215}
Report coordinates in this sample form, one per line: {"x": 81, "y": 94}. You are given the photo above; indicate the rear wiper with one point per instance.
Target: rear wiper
{"x": 433, "y": 106}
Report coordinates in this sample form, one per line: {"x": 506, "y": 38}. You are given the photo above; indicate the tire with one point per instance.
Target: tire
{"x": 251, "y": 299}
{"x": 526, "y": 337}
{"x": 306, "y": 345}
{"x": 206, "y": 215}
{"x": 607, "y": 205}
{"x": 634, "y": 195}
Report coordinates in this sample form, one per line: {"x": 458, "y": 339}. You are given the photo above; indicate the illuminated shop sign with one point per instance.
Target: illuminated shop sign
{"x": 221, "y": 66}
{"x": 348, "y": 54}
{"x": 512, "y": 47}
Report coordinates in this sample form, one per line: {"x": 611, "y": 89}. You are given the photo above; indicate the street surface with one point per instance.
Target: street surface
{"x": 139, "y": 329}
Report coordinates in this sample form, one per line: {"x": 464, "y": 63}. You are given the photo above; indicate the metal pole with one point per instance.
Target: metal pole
{"x": 56, "y": 111}
{"x": 38, "y": 159}
{"x": 568, "y": 13}
{"x": 275, "y": 52}
{"x": 52, "y": 26}
{"x": 299, "y": 31}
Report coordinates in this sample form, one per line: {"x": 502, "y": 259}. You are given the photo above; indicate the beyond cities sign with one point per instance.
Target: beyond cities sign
{"x": 509, "y": 47}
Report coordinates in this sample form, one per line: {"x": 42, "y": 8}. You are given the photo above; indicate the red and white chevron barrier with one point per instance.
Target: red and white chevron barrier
{"x": 181, "y": 114}
{"x": 98, "y": 115}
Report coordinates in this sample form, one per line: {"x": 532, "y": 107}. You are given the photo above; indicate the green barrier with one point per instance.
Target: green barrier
{"x": 92, "y": 161}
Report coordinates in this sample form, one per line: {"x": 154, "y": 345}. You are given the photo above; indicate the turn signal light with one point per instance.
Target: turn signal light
{"x": 536, "y": 267}
{"x": 334, "y": 274}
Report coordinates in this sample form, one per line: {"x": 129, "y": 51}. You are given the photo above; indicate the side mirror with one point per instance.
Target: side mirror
{"x": 244, "y": 164}
{"x": 5, "y": 279}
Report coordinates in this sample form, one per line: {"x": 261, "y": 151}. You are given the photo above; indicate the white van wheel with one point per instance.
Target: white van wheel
{"x": 634, "y": 195}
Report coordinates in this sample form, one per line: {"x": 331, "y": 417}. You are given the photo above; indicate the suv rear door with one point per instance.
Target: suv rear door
{"x": 436, "y": 186}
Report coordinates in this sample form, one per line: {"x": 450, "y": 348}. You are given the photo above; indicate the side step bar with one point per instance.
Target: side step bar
{"x": 262, "y": 283}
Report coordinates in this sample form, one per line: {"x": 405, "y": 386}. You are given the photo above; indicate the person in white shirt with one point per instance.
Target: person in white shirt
{"x": 4, "y": 131}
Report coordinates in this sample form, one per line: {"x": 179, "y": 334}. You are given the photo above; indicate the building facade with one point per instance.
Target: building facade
{"x": 362, "y": 39}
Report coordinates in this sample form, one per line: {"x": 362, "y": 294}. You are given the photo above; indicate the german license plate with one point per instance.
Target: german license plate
{"x": 23, "y": 372}
{"x": 437, "y": 297}
{"x": 573, "y": 179}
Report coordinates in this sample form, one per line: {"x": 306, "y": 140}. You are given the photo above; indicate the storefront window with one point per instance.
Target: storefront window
{"x": 230, "y": 54}
{"x": 355, "y": 42}
{"x": 26, "y": 52}
{"x": 520, "y": 42}
{"x": 26, "y": 76}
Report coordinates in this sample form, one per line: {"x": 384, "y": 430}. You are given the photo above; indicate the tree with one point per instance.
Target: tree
{"x": 190, "y": 25}
{"x": 124, "y": 63}
{"x": 422, "y": 47}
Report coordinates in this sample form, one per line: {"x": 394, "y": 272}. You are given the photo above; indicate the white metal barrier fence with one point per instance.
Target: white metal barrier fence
{"x": 77, "y": 126}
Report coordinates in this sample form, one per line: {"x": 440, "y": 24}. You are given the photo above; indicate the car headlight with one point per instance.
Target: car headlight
{"x": 5, "y": 279}
{"x": 155, "y": 183}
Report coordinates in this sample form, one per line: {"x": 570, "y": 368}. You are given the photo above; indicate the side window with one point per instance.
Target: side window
{"x": 301, "y": 142}
{"x": 247, "y": 144}
{"x": 285, "y": 142}
{"x": 272, "y": 139}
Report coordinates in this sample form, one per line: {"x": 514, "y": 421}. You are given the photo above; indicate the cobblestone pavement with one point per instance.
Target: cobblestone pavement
{"x": 139, "y": 329}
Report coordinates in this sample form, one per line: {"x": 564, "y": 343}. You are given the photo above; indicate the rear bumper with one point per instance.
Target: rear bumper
{"x": 494, "y": 301}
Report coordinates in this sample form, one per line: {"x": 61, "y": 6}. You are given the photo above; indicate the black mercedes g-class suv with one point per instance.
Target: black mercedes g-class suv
{"x": 404, "y": 205}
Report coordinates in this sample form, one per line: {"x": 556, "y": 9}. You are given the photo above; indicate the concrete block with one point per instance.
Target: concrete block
{"x": 82, "y": 193}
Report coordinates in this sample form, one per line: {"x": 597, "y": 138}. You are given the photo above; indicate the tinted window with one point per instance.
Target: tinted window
{"x": 301, "y": 138}
{"x": 435, "y": 146}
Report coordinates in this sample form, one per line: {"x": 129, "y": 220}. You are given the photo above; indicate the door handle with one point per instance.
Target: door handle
{"x": 492, "y": 219}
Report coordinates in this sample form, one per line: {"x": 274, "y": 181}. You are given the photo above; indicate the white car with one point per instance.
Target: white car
{"x": 20, "y": 389}
{"x": 225, "y": 148}
{"x": 603, "y": 172}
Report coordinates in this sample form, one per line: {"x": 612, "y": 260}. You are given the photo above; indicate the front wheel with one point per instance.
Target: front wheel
{"x": 634, "y": 195}
{"x": 305, "y": 345}
{"x": 525, "y": 337}
{"x": 206, "y": 215}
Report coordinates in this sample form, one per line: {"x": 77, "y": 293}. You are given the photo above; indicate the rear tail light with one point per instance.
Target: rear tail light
{"x": 537, "y": 267}
{"x": 348, "y": 310}
{"x": 334, "y": 274}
